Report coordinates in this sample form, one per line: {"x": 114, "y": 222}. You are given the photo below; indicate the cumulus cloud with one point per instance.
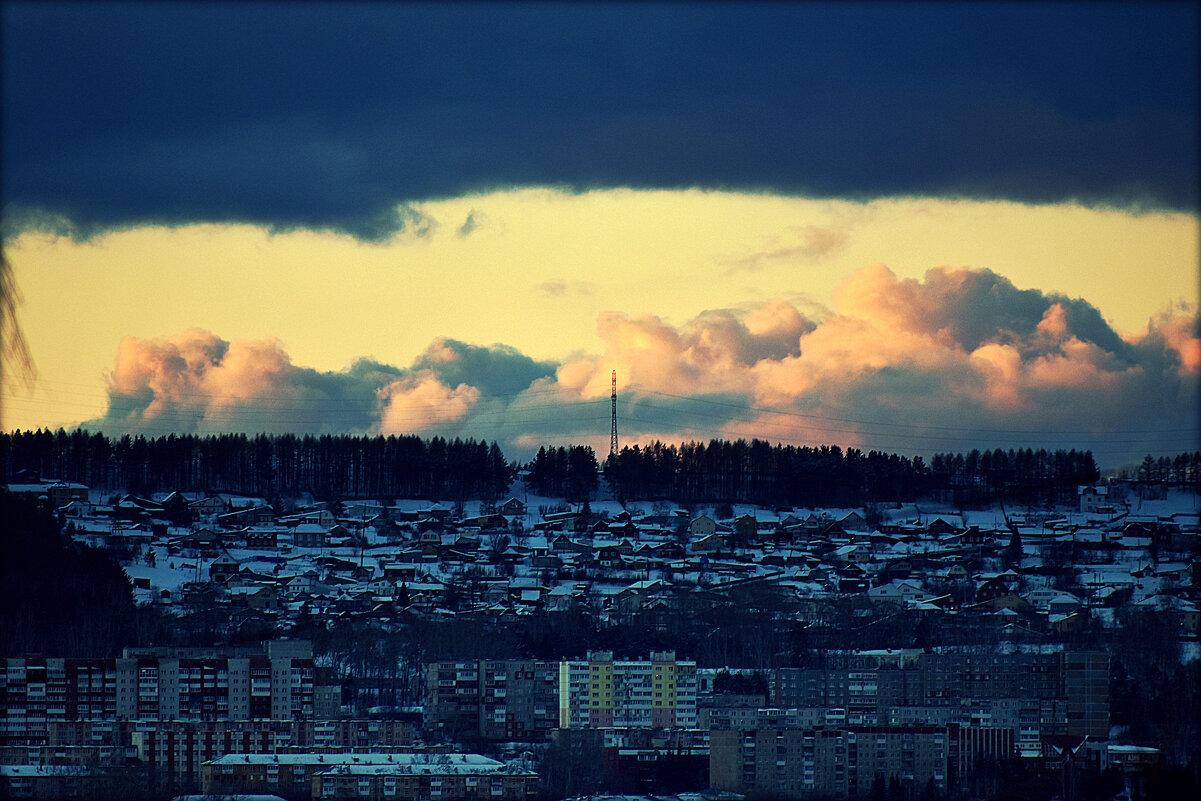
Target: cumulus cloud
{"x": 496, "y": 370}
{"x": 197, "y": 382}
{"x": 958, "y": 360}
{"x": 419, "y": 402}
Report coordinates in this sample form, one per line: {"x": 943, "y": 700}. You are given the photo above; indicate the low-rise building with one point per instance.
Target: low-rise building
{"x": 404, "y": 777}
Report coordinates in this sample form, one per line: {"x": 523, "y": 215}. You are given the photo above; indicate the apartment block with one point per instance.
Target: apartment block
{"x": 278, "y": 682}
{"x": 1070, "y": 689}
{"x": 843, "y": 762}
{"x": 522, "y": 700}
{"x": 657, "y": 693}
{"x": 403, "y": 777}
{"x": 1086, "y": 688}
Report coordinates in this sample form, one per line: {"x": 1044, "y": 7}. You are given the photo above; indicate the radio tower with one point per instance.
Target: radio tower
{"x": 613, "y": 435}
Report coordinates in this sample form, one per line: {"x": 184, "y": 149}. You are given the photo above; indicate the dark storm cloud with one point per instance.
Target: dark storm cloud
{"x": 327, "y": 116}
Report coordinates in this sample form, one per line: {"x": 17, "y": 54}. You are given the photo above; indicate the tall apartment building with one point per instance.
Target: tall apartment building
{"x": 518, "y": 699}
{"x": 1071, "y": 689}
{"x": 1086, "y": 688}
{"x": 603, "y": 693}
{"x": 453, "y": 691}
{"x": 277, "y": 683}
{"x": 844, "y": 762}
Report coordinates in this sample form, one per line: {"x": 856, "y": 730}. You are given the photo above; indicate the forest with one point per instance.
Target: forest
{"x": 269, "y": 466}
{"x": 786, "y": 475}
{"x": 334, "y": 468}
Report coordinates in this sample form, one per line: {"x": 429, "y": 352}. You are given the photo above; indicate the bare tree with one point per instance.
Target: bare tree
{"x": 14, "y": 350}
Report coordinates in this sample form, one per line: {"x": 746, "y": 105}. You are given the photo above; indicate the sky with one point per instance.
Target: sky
{"x": 906, "y": 227}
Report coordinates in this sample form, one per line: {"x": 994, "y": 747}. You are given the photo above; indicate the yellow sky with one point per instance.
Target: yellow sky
{"x": 537, "y": 269}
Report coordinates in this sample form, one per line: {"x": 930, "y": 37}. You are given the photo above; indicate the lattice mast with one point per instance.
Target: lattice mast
{"x": 613, "y": 435}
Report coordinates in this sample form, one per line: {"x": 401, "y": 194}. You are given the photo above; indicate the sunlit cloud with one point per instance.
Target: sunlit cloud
{"x": 961, "y": 359}
{"x": 419, "y": 402}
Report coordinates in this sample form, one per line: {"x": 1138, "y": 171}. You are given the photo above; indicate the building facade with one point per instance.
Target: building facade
{"x": 850, "y": 762}
{"x": 277, "y": 683}
{"x": 1070, "y": 689}
{"x": 526, "y": 700}
{"x": 403, "y": 777}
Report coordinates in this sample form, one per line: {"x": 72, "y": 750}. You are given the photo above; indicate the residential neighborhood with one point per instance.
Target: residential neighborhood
{"x": 947, "y": 638}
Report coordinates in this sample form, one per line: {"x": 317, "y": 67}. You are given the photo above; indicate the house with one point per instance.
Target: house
{"x": 610, "y": 556}
{"x": 247, "y": 516}
{"x": 957, "y": 572}
{"x": 853, "y": 521}
{"x": 205, "y": 507}
{"x": 992, "y": 588}
{"x": 201, "y": 541}
{"x": 849, "y": 554}
{"x": 1008, "y": 601}
{"x": 223, "y": 569}
{"x": 512, "y": 507}
{"x": 635, "y": 596}
{"x": 901, "y": 592}
{"x": 1063, "y": 603}
{"x": 310, "y": 535}
{"x": 262, "y": 538}
{"x": 851, "y": 585}
{"x": 320, "y": 517}
{"x": 252, "y": 597}
{"x": 702, "y": 527}
{"x": 560, "y": 598}
{"x": 77, "y": 509}
{"x": 1093, "y": 499}
{"x": 939, "y": 527}
{"x": 57, "y": 493}
{"x": 898, "y": 570}
{"x": 714, "y": 541}
{"x": 1067, "y": 624}
{"x": 972, "y": 535}
{"x": 487, "y": 521}
{"x": 400, "y": 571}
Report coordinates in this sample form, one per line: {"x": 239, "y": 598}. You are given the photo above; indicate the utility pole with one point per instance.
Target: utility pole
{"x": 613, "y": 434}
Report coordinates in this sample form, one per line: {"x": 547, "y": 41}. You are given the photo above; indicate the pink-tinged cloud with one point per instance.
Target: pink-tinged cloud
{"x": 419, "y": 402}
{"x": 961, "y": 359}
{"x": 196, "y": 371}
{"x": 915, "y": 366}
{"x": 1179, "y": 332}
{"x": 711, "y": 353}
{"x": 196, "y": 381}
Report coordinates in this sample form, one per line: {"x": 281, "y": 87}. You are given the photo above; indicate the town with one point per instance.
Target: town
{"x": 534, "y": 648}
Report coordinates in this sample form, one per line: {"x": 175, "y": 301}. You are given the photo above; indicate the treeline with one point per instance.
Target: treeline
{"x": 271, "y": 466}
{"x": 786, "y": 475}
{"x": 407, "y": 466}
{"x": 570, "y": 472}
{"x": 1182, "y": 469}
